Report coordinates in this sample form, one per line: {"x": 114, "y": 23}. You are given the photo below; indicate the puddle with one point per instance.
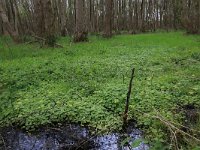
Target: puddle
{"x": 69, "y": 137}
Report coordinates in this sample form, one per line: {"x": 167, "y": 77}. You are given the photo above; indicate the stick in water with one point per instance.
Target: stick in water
{"x": 125, "y": 116}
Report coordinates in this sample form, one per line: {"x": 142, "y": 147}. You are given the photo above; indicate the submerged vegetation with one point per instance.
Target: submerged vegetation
{"x": 87, "y": 83}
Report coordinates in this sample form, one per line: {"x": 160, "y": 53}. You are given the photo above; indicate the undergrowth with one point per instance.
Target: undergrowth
{"x": 87, "y": 83}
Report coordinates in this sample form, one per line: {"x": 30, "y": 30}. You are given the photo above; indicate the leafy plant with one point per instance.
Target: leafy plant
{"x": 87, "y": 83}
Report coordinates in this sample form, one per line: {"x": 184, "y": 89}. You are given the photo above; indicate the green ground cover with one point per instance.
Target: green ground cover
{"x": 87, "y": 82}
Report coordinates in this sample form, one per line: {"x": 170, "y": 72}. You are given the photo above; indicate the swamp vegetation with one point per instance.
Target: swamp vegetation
{"x": 87, "y": 83}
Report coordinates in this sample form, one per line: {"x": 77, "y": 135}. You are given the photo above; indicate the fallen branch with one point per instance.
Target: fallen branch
{"x": 172, "y": 127}
{"x": 30, "y": 42}
{"x": 44, "y": 40}
{"x": 185, "y": 127}
{"x": 176, "y": 128}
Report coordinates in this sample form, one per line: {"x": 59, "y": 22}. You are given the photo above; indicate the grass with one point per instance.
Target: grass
{"x": 87, "y": 82}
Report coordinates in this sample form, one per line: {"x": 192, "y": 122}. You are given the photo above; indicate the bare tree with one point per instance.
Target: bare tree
{"x": 44, "y": 18}
{"x": 63, "y": 18}
{"x": 108, "y": 19}
{"x": 49, "y": 18}
{"x": 80, "y": 32}
{"x": 7, "y": 25}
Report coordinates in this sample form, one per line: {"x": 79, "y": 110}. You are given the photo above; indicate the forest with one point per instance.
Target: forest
{"x": 99, "y": 74}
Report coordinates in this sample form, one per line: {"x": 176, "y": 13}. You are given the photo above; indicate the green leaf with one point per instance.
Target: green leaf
{"x": 136, "y": 143}
{"x": 125, "y": 141}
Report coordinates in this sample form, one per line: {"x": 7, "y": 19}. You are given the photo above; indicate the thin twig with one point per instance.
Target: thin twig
{"x": 169, "y": 124}
{"x": 180, "y": 124}
{"x": 173, "y": 126}
{"x": 176, "y": 128}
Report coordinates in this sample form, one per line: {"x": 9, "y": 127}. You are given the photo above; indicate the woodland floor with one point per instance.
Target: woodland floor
{"x": 87, "y": 83}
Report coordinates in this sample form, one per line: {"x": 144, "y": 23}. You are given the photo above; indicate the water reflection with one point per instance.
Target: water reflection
{"x": 70, "y": 137}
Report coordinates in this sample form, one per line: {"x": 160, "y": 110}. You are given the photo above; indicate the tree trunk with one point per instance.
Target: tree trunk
{"x": 130, "y": 22}
{"x": 45, "y": 21}
{"x": 49, "y": 22}
{"x": 1, "y": 27}
{"x": 80, "y": 33}
{"x": 7, "y": 25}
{"x": 63, "y": 10}
{"x": 108, "y": 19}
{"x": 39, "y": 18}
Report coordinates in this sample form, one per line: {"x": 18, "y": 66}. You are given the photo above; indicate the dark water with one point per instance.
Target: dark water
{"x": 70, "y": 137}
